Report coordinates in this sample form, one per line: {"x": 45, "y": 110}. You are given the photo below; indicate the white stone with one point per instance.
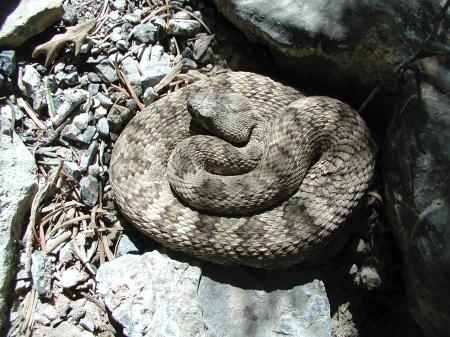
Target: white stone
{"x": 81, "y": 121}
{"x": 72, "y": 276}
{"x": 36, "y": 16}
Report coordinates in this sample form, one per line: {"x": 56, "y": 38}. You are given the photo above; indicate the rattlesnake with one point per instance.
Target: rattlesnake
{"x": 227, "y": 223}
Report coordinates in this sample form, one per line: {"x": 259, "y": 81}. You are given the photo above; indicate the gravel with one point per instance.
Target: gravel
{"x": 89, "y": 188}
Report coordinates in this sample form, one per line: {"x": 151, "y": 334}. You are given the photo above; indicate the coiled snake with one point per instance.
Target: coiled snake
{"x": 271, "y": 187}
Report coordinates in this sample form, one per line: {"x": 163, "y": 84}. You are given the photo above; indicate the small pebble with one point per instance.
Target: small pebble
{"x": 41, "y": 319}
{"x": 100, "y": 112}
{"x": 93, "y": 78}
{"x": 152, "y": 76}
{"x": 49, "y": 311}
{"x": 122, "y": 45}
{"x": 89, "y": 134}
{"x": 64, "y": 310}
{"x": 72, "y": 276}
{"x": 106, "y": 72}
{"x": 103, "y": 127}
{"x": 41, "y": 274}
{"x": 114, "y": 15}
{"x": 188, "y": 64}
{"x": 93, "y": 88}
{"x": 131, "y": 105}
{"x": 70, "y": 15}
{"x": 126, "y": 246}
{"x": 117, "y": 116}
{"x": 89, "y": 190}
{"x": 88, "y": 156}
{"x": 8, "y": 62}
{"x": 105, "y": 100}
{"x": 71, "y": 79}
{"x": 71, "y": 132}
{"x": 160, "y": 22}
{"x": 149, "y": 96}
{"x": 370, "y": 278}
{"x": 183, "y": 27}
{"x": 146, "y": 33}
{"x": 120, "y": 5}
{"x": 87, "y": 324}
{"x": 81, "y": 121}
{"x": 72, "y": 170}
{"x": 131, "y": 18}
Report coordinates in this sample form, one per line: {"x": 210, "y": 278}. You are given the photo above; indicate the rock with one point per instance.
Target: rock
{"x": 152, "y": 56}
{"x": 149, "y": 96}
{"x": 103, "y": 127}
{"x": 93, "y": 78}
{"x": 152, "y": 295}
{"x": 71, "y": 79}
{"x": 72, "y": 276}
{"x": 105, "y": 100}
{"x": 202, "y": 47}
{"x": 93, "y": 88}
{"x": 117, "y": 116}
{"x": 8, "y": 62}
{"x": 183, "y": 27}
{"x": 87, "y": 324}
{"x": 34, "y": 87}
{"x": 152, "y": 76}
{"x": 48, "y": 311}
{"x": 155, "y": 295}
{"x": 60, "y": 77}
{"x": 71, "y": 132}
{"x": 89, "y": 134}
{"x": 126, "y": 246}
{"x": 189, "y": 65}
{"x": 29, "y": 18}
{"x": 81, "y": 121}
{"x": 120, "y": 5}
{"x": 368, "y": 276}
{"x": 71, "y": 99}
{"x": 70, "y": 15}
{"x": 415, "y": 170}
{"x": 65, "y": 329}
{"x": 17, "y": 187}
{"x": 41, "y": 272}
{"x": 160, "y": 22}
{"x": 291, "y": 302}
{"x": 131, "y": 105}
{"x": 6, "y": 121}
{"x": 41, "y": 319}
{"x": 335, "y": 42}
{"x": 100, "y": 112}
{"x": 133, "y": 19}
{"x": 89, "y": 187}
{"x": 181, "y": 16}
{"x": 122, "y": 45}
{"x": 106, "y": 72}
{"x": 130, "y": 68}
{"x": 146, "y": 33}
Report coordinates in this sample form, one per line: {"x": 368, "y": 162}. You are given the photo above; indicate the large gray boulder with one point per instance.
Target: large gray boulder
{"x": 416, "y": 169}
{"x": 28, "y": 19}
{"x": 154, "y": 295}
{"x": 346, "y": 44}
{"x": 17, "y": 186}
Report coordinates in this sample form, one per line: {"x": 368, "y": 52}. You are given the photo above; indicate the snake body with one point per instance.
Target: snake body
{"x": 280, "y": 197}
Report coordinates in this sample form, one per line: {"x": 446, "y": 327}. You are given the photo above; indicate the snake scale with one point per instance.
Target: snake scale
{"x": 308, "y": 166}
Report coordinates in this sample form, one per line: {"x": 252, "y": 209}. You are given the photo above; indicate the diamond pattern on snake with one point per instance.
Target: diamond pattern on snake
{"x": 240, "y": 169}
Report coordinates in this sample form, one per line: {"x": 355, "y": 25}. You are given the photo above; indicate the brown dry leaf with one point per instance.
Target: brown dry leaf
{"x": 75, "y": 34}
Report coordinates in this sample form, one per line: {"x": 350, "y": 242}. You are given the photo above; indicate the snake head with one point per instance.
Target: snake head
{"x": 227, "y": 115}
